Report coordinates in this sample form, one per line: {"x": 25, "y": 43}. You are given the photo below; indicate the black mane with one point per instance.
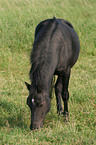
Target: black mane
{"x": 39, "y": 50}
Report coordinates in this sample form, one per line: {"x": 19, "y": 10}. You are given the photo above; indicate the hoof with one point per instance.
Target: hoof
{"x": 66, "y": 116}
{"x": 60, "y": 112}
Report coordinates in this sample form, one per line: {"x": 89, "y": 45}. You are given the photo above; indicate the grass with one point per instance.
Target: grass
{"x": 18, "y": 20}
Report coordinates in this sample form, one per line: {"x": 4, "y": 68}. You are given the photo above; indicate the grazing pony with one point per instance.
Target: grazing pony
{"x": 55, "y": 50}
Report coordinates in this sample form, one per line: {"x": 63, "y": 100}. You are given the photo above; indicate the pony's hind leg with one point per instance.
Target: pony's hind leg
{"x": 58, "y": 92}
{"x": 65, "y": 92}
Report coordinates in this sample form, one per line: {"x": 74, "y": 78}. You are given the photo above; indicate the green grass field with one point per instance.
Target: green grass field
{"x": 18, "y": 20}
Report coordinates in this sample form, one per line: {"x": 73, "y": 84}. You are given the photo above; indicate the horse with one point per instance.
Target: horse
{"x": 55, "y": 50}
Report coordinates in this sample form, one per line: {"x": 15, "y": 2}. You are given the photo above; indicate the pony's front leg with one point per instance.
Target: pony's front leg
{"x": 65, "y": 99}
{"x": 58, "y": 92}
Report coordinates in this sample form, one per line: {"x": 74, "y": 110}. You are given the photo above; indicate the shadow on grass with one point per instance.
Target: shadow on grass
{"x": 12, "y": 115}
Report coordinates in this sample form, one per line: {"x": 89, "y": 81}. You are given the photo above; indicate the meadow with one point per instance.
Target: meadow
{"x": 18, "y": 19}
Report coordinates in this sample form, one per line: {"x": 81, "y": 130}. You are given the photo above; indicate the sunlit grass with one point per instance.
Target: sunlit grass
{"x": 18, "y": 20}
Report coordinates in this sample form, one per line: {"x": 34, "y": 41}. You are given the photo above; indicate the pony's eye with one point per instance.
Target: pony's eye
{"x": 32, "y": 100}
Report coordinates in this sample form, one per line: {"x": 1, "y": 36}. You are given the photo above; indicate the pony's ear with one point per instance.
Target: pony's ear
{"x": 28, "y": 86}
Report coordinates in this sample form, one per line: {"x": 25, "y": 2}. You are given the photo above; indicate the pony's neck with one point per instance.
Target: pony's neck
{"x": 41, "y": 80}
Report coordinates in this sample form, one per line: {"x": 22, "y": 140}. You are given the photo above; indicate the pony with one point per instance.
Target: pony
{"x": 55, "y": 51}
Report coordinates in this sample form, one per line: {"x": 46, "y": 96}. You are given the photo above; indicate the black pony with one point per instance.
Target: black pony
{"x": 55, "y": 51}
